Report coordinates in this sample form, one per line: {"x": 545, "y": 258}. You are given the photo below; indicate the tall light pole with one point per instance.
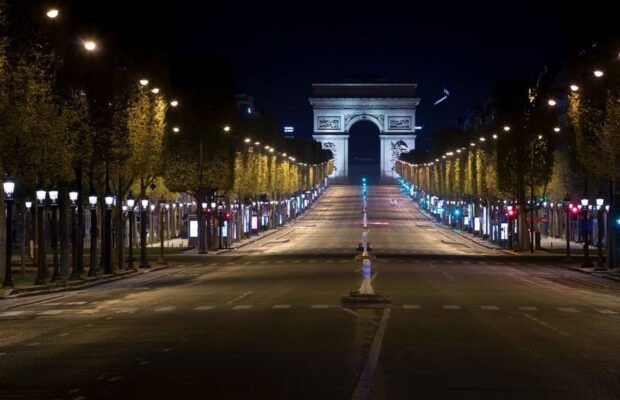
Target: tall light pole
{"x": 75, "y": 271}
{"x": 28, "y": 205}
{"x": 42, "y": 256}
{"x": 107, "y": 239}
{"x": 220, "y": 223}
{"x": 600, "y": 208}
{"x": 9, "y": 188}
{"x": 587, "y": 263}
{"x": 53, "y": 195}
{"x": 144, "y": 205}
{"x": 92, "y": 201}
{"x": 567, "y": 206}
{"x": 162, "y": 211}
{"x": 201, "y": 228}
{"x": 131, "y": 203}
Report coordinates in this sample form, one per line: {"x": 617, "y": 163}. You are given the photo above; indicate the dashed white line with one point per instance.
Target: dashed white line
{"x": 204, "y": 308}
{"x": 281, "y": 306}
{"x": 52, "y": 312}
{"x": 165, "y": 309}
{"x": 606, "y": 311}
{"x": 527, "y": 308}
{"x": 568, "y": 309}
{"x": 411, "y": 307}
{"x": 243, "y": 307}
{"x": 240, "y": 297}
{"x": 12, "y": 313}
{"x": 451, "y": 307}
{"x": 64, "y": 334}
{"x": 114, "y": 378}
{"x": 489, "y": 308}
{"x": 77, "y": 303}
{"x": 145, "y": 362}
{"x": 319, "y": 306}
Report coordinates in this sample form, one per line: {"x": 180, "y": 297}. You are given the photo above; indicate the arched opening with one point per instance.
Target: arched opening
{"x": 364, "y": 153}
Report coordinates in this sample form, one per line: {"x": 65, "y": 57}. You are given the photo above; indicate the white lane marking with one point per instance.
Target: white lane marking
{"x": 52, "y": 312}
{"x": 372, "y": 278}
{"x": 263, "y": 262}
{"x": 489, "y": 308}
{"x": 281, "y": 306}
{"x": 363, "y": 385}
{"x": 114, "y": 378}
{"x": 145, "y": 362}
{"x": 606, "y": 311}
{"x": 451, "y": 307}
{"x": 319, "y": 306}
{"x": 312, "y": 261}
{"x": 344, "y": 261}
{"x": 101, "y": 377}
{"x": 165, "y": 309}
{"x": 247, "y": 263}
{"x": 204, "y": 308}
{"x": 2, "y": 354}
{"x": 296, "y": 261}
{"x": 230, "y": 263}
{"x": 240, "y": 297}
{"x": 213, "y": 264}
{"x": 370, "y": 321}
{"x": 466, "y": 262}
{"x": 243, "y": 307}
{"x": 411, "y": 307}
{"x": 527, "y": 308}
{"x": 76, "y": 303}
{"x": 12, "y": 313}
{"x": 73, "y": 391}
{"x": 448, "y": 275}
{"x": 93, "y": 311}
{"x": 63, "y": 334}
{"x": 128, "y": 310}
{"x": 568, "y": 309}
{"x": 329, "y": 261}
{"x": 279, "y": 262}
{"x": 34, "y": 344}
{"x": 546, "y": 325}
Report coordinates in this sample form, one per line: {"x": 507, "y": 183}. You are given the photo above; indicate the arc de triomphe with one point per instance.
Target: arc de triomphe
{"x": 390, "y": 106}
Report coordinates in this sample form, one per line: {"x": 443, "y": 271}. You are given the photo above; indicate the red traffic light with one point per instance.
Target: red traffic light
{"x": 574, "y": 209}
{"x": 227, "y": 216}
{"x": 511, "y": 212}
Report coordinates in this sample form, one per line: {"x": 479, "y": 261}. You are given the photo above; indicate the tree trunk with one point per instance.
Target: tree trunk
{"x": 64, "y": 234}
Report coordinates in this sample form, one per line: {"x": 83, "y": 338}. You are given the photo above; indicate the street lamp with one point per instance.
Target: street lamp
{"x": 53, "y": 195}
{"x": 600, "y": 208}
{"x": 92, "y": 201}
{"x": 131, "y": 203}
{"x": 75, "y": 272}
{"x": 9, "y": 188}
{"x": 90, "y": 45}
{"x": 52, "y": 13}
{"x": 162, "y": 211}
{"x": 220, "y": 223}
{"x": 107, "y": 244}
{"x": 567, "y": 204}
{"x": 201, "y": 227}
{"x": 586, "y": 246}
{"x": 42, "y": 256}
{"x": 144, "y": 204}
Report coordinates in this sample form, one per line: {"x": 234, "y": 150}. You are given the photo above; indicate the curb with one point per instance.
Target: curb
{"x": 77, "y": 285}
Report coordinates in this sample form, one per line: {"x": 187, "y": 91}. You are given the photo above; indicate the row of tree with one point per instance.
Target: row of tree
{"x": 74, "y": 119}
{"x": 553, "y": 137}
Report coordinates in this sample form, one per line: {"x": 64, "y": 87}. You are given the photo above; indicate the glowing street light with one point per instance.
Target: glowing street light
{"x": 598, "y": 73}
{"x": 144, "y": 82}
{"x": 174, "y": 103}
{"x": 552, "y": 102}
{"x": 574, "y": 87}
{"x": 52, "y": 13}
{"x": 176, "y": 129}
{"x": 90, "y": 45}
{"x": 506, "y": 128}
{"x": 227, "y": 128}
{"x": 556, "y": 129}
{"x": 247, "y": 140}
{"x": 155, "y": 90}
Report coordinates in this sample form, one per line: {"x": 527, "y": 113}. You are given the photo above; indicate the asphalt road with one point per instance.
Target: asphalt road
{"x": 265, "y": 321}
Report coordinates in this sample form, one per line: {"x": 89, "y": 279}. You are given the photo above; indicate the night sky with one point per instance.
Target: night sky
{"x": 277, "y": 49}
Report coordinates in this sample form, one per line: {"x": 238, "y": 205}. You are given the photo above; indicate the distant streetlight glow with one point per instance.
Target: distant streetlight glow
{"x": 144, "y": 82}
{"x": 227, "y": 128}
{"x": 155, "y": 90}
{"x": 52, "y": 13}
{"x": 174, "y": 103}
{"x": 540, "y": 137}
{"x": 90, "y": 45}
{"x": 556, "y": 129}
{"x": 506, "y": 128}
{"x": 598, "y": 73}
{"x": 247, "y": 140}
{"x": 574, "y": 88}
{"x": 176, "y": 129}
{"x": 482, "y": 138}
{"x": 495, "y": 136}
{"x": 552, "y": 102}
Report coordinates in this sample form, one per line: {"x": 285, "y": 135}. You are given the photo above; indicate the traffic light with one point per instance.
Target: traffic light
{"x": 227, "y": 216}
{"x": 574, "y": 211}
{"x": 457, "y": 212}
{"x": 511, "y": 213}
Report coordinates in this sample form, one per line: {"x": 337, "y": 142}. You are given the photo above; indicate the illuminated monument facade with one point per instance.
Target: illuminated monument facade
{"x": 390, "y": 106}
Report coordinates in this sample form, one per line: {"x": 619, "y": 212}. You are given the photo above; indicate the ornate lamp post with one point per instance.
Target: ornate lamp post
{"x": 131, "y": 204}
{"x": 107, "y": 239}
{"x": 586, "y": 245}
{"x": 9, "y": 188}
{"x": 162, "y": 211}
{"x": 201, "y": 228}
{"x": 42, "y": 256}
{"x": 75, "y": 272}
{"x": 567, "y": 204}
{"x": 144, "y": 205}
{"x": 28, "y": 205}
{"x": 600, "y": 223}
{"x": 220, "y": 223}
{"x": 53, "y": 195}
{"x": 92, "y": 201}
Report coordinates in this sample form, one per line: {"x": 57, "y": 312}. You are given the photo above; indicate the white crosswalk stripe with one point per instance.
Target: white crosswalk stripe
{"x": 527, "y": 308}
{"x": 489, "y": 308}
{"x": 204, "y": 308}
{"x": 606, "y": 311}
{"x": 164, "y": 309}
{"x": 12, "y": 313}
{"x": 243, "y": 307}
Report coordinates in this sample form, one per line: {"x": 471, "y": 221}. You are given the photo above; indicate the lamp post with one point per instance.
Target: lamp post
{"x": 107, "y": 239}
{"x": 42, "y": 264}
{"x": 220, "y": 224}
{"x": 201, "y": 228}
{"x": 144, "y": 204}
{"x": 92, "y": 201}
{"x": 53, "y": 195}
{"x": 131, "y": 203}
{"x": 567, "y": 204}
{"x": 28, "y": 205}
{"x": 9, "y": 188}
{"x": 75, "y": 272}
{"x": 600, "y": 208}
{"x": 586, "y": 245}
{"x": 162, "y": 211}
